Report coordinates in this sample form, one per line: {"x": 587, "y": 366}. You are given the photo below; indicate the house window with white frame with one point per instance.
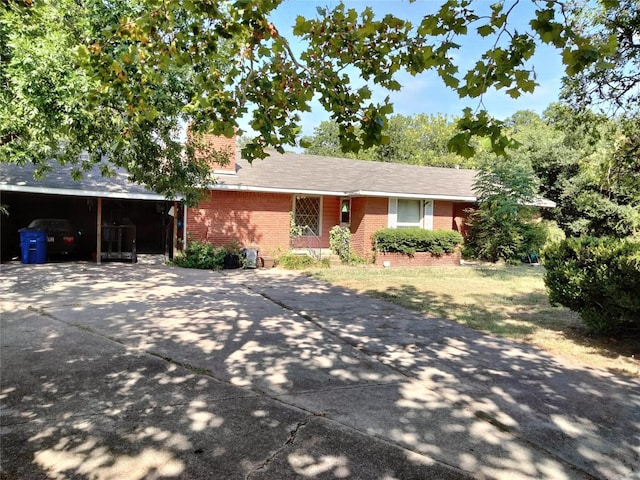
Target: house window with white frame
{"x": 405, "y": 213}
{"x": 409, "y": 213}
{"x": 306, "y": 211}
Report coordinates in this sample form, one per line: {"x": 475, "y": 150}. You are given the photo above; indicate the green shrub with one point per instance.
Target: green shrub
{"x": 554, "y": 233}
{"x": 597, "y": 277}
{"x": 203, "y": 255}
{"x": 340, "y": 242}
{"x": 412, "y": 240}
{"x": 293, "y": 261}
{"x": 500, "y": 233}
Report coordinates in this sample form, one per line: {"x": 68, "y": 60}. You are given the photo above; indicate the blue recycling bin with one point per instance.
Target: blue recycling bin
{"x": 33, "y": 244}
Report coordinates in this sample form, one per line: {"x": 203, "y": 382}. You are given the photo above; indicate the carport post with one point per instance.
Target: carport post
{"x": 174, "y": 240}
{"x": 99, "y": 233}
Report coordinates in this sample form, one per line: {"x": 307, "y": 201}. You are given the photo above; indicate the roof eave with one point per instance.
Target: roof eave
{"x": 84, "y": 193}
{"x": 336, "y": 193}
{"x": 453, "y": 198}
{"x": 253, "y": 188}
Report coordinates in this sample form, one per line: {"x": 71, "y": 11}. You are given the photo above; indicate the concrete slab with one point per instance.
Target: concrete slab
{"x": 77, "y": 405}
{"x": 148, "y": 371}
{"x": 518, "y": 389}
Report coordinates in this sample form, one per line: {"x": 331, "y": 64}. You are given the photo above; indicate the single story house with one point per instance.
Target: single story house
{"x": 252, "y": 204}
{"x": 255, "y": 204}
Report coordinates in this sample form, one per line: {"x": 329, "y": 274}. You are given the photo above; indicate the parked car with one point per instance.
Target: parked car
{"x": 62, "y": 237}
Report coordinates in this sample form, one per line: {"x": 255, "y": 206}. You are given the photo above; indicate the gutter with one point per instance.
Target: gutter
{"x": 84, "y": 193}
{"x": 427, "y": 196}
{"x": 336, "y": 193}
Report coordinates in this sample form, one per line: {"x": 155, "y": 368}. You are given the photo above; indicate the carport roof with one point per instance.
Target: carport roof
{"x": 19, "y": 178}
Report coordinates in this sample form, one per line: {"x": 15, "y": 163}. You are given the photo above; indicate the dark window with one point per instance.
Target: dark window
{"x": 307, "y": 214}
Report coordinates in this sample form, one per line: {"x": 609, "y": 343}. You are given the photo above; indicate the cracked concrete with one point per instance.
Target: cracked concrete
{"x": 290, "y": 440}
{"x": 145, "y": 371}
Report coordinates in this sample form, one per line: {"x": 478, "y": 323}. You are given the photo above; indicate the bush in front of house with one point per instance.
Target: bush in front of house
{"x": 599, "y": 278}
{"x": 340, "y": 242}
{"x": 203, "y": 255}
{"x": 500, "y": 233}
{"x": 411, "y": 240}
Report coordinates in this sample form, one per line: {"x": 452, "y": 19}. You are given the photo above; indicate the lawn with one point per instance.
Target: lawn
{"x": 506, "y": 301}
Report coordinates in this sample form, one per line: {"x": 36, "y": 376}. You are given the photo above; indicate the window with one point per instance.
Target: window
{"x": 345, "y": 211}
{"x": 307, "y": 214}
{"x": 409, "y": 213}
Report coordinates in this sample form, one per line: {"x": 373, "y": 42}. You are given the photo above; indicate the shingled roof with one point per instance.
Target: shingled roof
{"x": 296, "y": 173}
{"x": 284, "y": 173}
{"x": 278, "y": 173}
{"x": 19, "y": 178}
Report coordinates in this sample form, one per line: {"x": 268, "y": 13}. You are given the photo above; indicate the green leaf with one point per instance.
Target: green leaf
{"x": 485, "y": 30}
{"x": 514, "y": 92}
{"x": 302, "y": 26}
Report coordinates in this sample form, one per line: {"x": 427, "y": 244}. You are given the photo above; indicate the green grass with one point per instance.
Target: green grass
{"x": 507, "y": 301}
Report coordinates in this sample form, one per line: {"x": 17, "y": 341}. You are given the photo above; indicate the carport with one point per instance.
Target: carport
{"x": 99, "y": 208}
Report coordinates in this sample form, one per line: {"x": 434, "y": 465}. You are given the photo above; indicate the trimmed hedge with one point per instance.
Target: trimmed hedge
{"x": 597, "y": 277}
{"x": 412, "y": 240}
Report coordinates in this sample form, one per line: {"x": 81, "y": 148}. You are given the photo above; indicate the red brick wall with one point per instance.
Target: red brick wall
{"x": 442, "y": 215}
{"x": 262, "y": 220}
{"x": 258, "y": 220}
{"x": 330, "y": 217}
{"x": 419, "y": 259}
{"x": 220, "y": 143}
{"x": 368, "y": 215}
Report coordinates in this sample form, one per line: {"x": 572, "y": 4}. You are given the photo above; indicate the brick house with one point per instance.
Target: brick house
{"x": 253, "y": 203}
{"x": 249, "y": 204}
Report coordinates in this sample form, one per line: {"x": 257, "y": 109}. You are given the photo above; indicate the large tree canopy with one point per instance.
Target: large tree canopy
{"x": 120, "y": 79}
{"x": 418, "y": 140}
{"x": 612, "y": 84}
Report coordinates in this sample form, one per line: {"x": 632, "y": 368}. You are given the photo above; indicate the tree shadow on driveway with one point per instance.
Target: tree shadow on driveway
{"x": 588, "y": 418}
{"x": 158, "y": 372}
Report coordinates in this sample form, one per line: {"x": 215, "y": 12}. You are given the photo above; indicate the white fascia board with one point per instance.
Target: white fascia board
{"x": 454, "y": 198}
{"x": 250, "y": 188}
{"x": 84, "y": 193}
{"x": 358, "y": 193}
{"x": 542, "y": 203}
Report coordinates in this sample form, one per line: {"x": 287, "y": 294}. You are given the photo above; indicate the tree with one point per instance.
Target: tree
{"x": 416, "y": 140}
{"x": 125, "y": 75}
{"x": 421, "y": 140}
{"x": 611, "y": 84}
{"x": 502, "y": 226}
{"x": 52, "y": 109}
{"x": 593, "y": 177}
{"x": 325, "y": 141}
{"x": 587, "y": 164}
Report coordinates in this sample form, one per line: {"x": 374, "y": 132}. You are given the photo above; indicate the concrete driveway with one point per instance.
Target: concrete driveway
{"x": 138, "y": 371}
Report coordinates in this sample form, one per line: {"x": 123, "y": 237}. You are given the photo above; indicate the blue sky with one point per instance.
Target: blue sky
{"x": 426, "y": 93}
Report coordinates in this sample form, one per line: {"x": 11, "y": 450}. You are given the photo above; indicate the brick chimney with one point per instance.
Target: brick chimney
{"x": 218, "y": 150}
